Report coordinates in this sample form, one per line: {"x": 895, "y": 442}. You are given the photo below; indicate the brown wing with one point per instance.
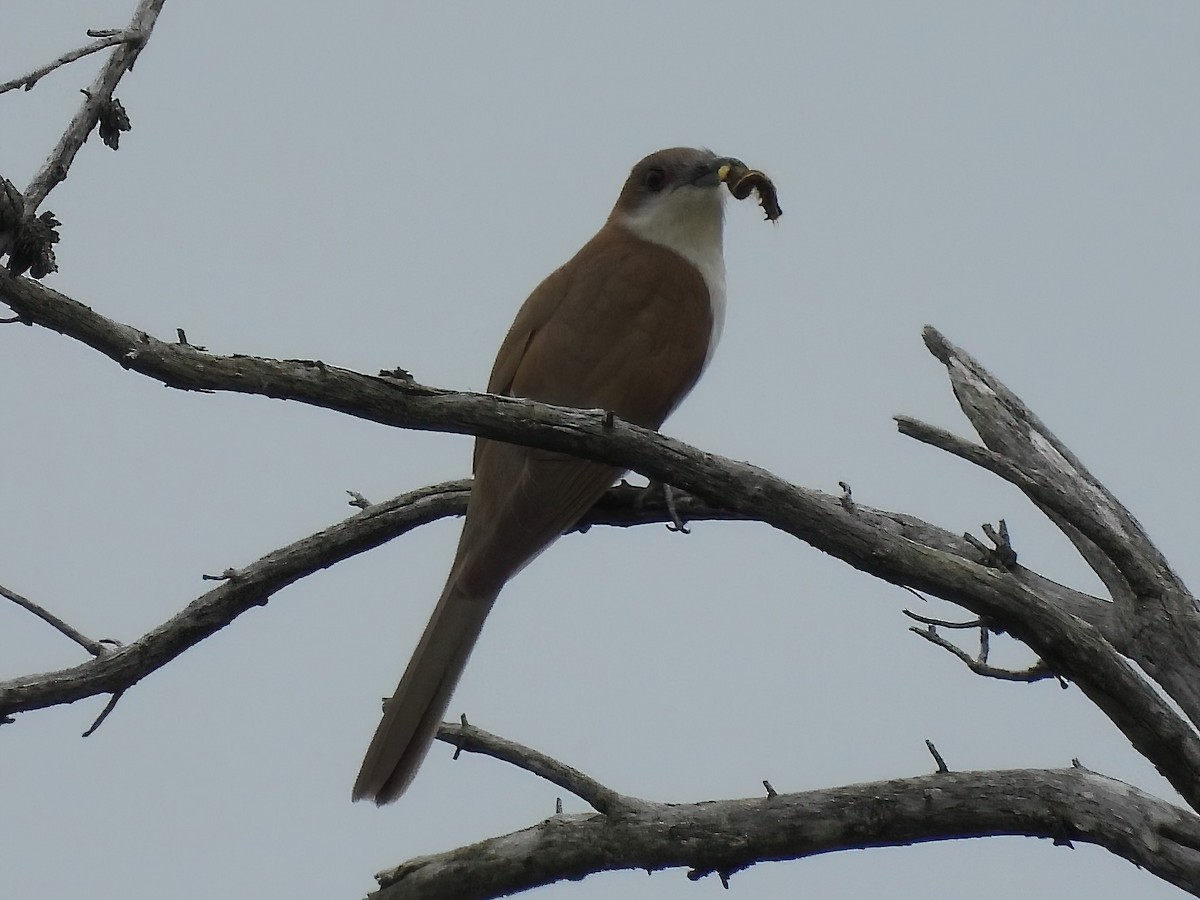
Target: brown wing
{"x": 624, "y": 327}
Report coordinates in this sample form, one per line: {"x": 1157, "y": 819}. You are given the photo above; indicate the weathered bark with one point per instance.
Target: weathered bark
{"x": 720, "y": 838}
{"x": 1150, "y": 619}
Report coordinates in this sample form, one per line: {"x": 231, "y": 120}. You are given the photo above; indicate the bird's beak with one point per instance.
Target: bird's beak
{"x": 730, "y": 169}
{"x": 719, "y": 171}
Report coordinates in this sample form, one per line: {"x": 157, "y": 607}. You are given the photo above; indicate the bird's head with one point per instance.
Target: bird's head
{"x": 673, "y": 198}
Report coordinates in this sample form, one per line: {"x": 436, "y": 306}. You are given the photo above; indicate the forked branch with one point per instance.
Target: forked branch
{"x": 102, "y": 42}
{"x": 1076, "y": 636}
{"x": 118, "y": 667}
{"x": 723, "y": 837}
{"x": 55, "y": 168}
{"x": 1070, "y": 631}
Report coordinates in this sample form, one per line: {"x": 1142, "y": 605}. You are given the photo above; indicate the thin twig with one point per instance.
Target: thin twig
{"x": 1037, "y": 672}
{"x": 475, "y": 740}
{"x": 108, "y": 707}
{"x": 29, "y": 79}
{"x": 253, "y": 585}
{"x": 96, "y": 648}
{"x": 942, "y": 623}
{"x": 942, "y": 768}
{"x": 676, "y": 523}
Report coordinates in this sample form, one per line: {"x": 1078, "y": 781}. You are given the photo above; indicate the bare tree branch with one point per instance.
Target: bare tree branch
{"x": 1152, "y": 620}
{"x": 1158, "y": 619}
{"x": 997, "y": 464}
{"x": 465, "y": 736}
{"x": 54, "y": 170}
{"x": 877, "y": 543}
{"x": 212, "y": 611}
{"x": 942, "y": 623}
{"x": 96, "y": 648}
{"x": 725, "y": 836}
{"x": 29, "y": 79}
{"x": 108, "y": 708}
{"x": 1046, "y": 466}
{"x": 241, "y": 590}
{"x": 1036, "y": 672}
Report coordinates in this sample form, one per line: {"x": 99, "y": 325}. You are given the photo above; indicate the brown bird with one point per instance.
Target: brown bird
{"x": 627, "y": 325}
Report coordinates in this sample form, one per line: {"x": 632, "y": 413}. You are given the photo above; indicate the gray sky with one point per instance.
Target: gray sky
{"x": 380, "y": 185}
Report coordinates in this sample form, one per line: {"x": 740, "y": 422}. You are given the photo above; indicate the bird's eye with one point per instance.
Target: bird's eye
{"x": 656, "y": 179}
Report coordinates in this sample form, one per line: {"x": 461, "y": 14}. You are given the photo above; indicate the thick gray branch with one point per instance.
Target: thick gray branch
{"x": 722, "y": 837}
{"x": 1156, "y": 618}
{"x": 871, "y": 542}
{"x": 1000, "y": 465}
{"x": 1053, "y": 475}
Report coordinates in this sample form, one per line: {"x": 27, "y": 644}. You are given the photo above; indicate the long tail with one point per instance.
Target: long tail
{"x": 521, "y": 502}
{"x": 412, "y": 716}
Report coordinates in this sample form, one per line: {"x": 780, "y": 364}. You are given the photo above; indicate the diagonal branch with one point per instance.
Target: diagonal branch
{"x": 116, "y": 669}
{"x": 879, "y": 544}
{"x": 1158, "y": 621}
{"x": 978, "y": 665}
{"x": 1053, "y": 475}
{"x": 1000, "y": 465}
{"x": 96, "y": 648}
{"x": 29, "y": 79}
{"x": 54, "y": 169}
{"x": 725, "y": 836}
{"x": 605, "y": 800}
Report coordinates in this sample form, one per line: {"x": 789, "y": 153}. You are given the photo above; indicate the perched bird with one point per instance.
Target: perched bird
{"x": 627, "y": 325}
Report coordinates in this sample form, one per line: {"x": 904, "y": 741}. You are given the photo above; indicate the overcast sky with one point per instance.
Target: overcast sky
{"x": 381, "y": 184}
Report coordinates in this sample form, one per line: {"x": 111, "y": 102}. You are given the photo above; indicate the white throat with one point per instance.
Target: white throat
{"x": 690, "y": 221}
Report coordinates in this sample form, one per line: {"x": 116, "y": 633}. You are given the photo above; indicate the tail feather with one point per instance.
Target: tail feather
{"x": 411, "y": 717}
{"x": 522, "y": 501}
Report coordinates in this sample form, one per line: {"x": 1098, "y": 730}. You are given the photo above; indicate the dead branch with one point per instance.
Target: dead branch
{"x": 726, "y": 836}
{"x": 98, "y": 96}
{"x": 466, "y": 737}
{"x": 96, "y": 648}
{"x": 29, "y": 79}
{"x": 1159, "y": 622}
{"x": 118, "y": 668}
{"x": 1077, "y": 636}
{"x": 978, "y": 665}
{"x": 1057, "y": 625}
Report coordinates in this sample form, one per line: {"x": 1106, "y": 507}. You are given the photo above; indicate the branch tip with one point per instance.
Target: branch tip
{"x": 471, "y": 739}
{"x": 96, "y": 648}
{"x": 108, "y": 707}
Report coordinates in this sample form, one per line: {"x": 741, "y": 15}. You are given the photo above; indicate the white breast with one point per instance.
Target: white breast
{"x": 690, "y": 221}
